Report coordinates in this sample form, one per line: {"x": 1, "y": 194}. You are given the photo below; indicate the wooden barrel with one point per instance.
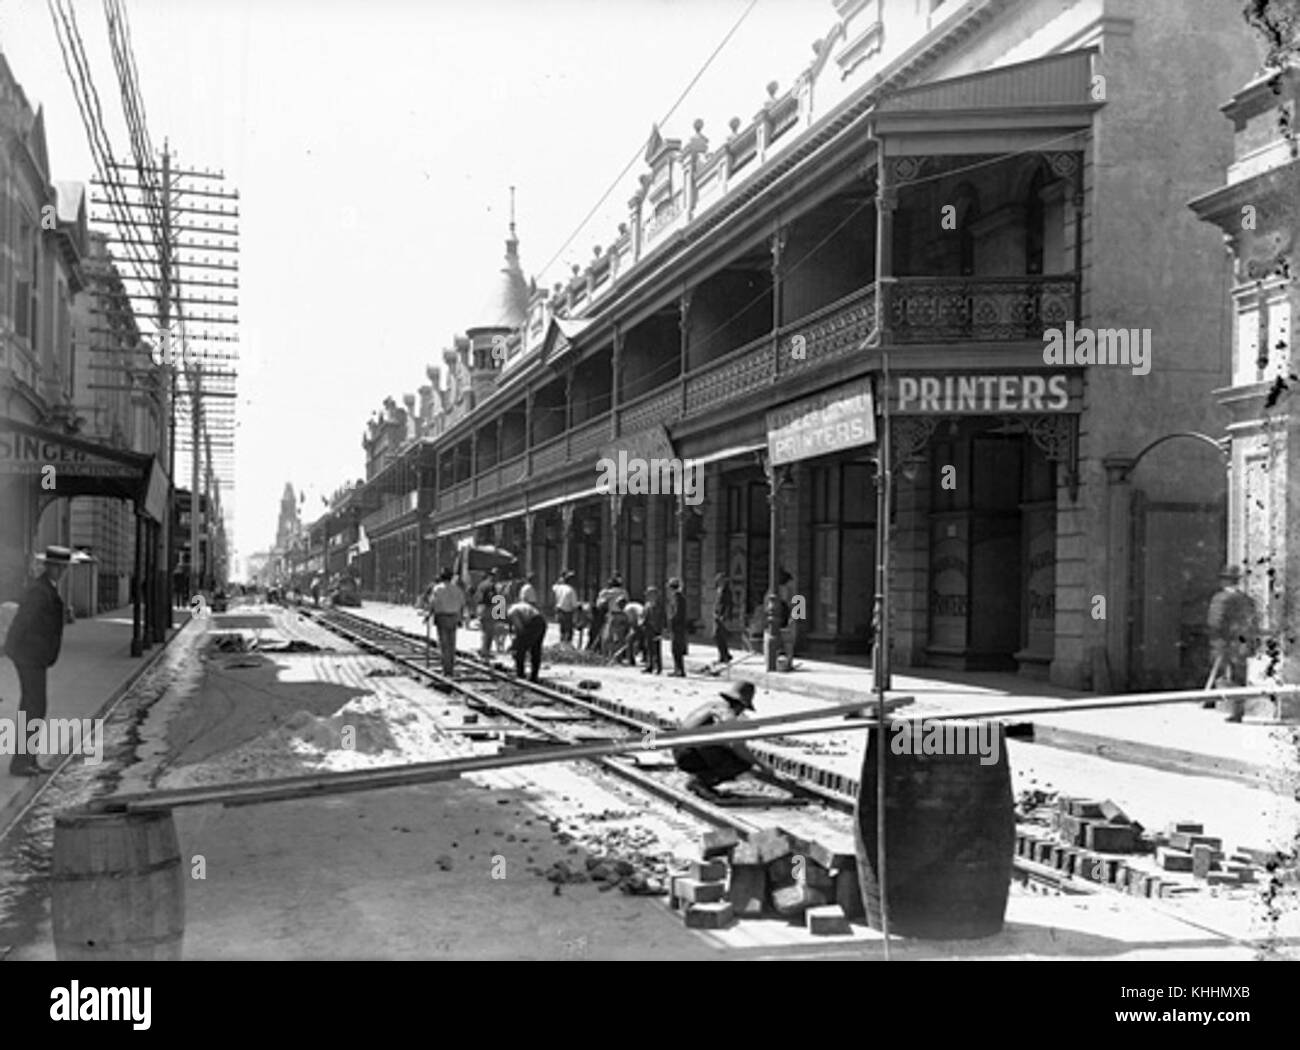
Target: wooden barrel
{"x": 949, "y": 835}
{"x": 118, "y": 889}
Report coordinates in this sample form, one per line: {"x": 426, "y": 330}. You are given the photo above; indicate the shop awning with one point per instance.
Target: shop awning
{"x": 726, "y": 453}
{"x": 67, "y": 465}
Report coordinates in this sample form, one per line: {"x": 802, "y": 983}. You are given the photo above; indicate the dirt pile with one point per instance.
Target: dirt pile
{"x": 365, "y": 732}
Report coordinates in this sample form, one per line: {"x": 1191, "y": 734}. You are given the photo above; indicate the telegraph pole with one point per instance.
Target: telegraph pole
{"x": 191, "y": 341}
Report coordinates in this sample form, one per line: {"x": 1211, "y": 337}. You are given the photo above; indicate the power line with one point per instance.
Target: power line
{"x": 637, "y": 154}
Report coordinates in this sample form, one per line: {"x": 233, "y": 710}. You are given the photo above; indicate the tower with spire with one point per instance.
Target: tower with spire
{"x": 505, "y": 305}
{"x": 289, "y": 523}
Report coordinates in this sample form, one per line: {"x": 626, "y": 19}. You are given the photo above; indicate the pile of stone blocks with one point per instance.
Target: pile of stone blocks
{"x": 764, "y": 876}
{"x": 1192, "y": 859}
{"x": 1184, "y": 847}
{"x": 1095, "y": 825}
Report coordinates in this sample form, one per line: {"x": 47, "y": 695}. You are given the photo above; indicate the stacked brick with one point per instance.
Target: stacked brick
{"x": 1092, "y": 839}
{"x": 1184, "y": 847}
{"x": 767, "y": 875}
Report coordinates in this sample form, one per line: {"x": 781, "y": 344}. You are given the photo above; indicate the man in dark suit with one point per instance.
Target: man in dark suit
{"x": 33, "y": 643}
{"x": 677, "y": 626}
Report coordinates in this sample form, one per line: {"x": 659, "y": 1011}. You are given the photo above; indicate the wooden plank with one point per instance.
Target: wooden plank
{"x": 315, "y": 785}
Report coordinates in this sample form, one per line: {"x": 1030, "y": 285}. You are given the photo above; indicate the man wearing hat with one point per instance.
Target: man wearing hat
{"x": 677, "y": 626}
{"x": 484, "y": 600}
{"x": 33, "y": 643}
{"x": 446, "y": 606}
{"x": 529, "y": 628}
{"x": 1233, "y": 622}
{"x": 712, "y": 764}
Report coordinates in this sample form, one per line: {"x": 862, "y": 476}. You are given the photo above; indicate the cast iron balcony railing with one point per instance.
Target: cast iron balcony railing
{"x": 981, "y": 309}
{"x": 391, "y": 511}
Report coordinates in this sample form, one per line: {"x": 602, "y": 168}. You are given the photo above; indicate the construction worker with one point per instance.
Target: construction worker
{"x": 484, "y": 602}
{"x": 446, "y": 607}
{"x": 566, "y": 604}
{"x": 1233, "y": 622}
{"x": 529, "y": 628}
{"x": 652, "y": 627}
{"x": 528, "y": 590}
{"x": 712, "y": 764}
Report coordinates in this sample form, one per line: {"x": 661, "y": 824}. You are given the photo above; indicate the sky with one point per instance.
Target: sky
{"x": 373, "y": 144}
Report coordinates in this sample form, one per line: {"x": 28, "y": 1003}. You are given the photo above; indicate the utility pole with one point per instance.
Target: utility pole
{"x": 191, "y": 343}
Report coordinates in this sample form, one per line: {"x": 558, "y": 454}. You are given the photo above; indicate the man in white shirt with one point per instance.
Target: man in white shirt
{"x": 446, "y": 606}
{"x": 528, "y": 590}
{"x": 566, "y": 604}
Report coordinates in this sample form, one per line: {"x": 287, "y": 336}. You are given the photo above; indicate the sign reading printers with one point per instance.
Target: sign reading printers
{"x": 839, "y": 419}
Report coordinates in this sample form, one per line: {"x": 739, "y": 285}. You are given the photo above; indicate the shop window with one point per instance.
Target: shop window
{"x": 758, "y": 507}
{"x": 953, "y": 452}
{"x": 826, "y": 495}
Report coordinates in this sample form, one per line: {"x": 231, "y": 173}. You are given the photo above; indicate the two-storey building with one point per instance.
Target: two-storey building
{"x": 969, "y": 186}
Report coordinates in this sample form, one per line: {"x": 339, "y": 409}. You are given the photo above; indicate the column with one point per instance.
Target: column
{"x": 138, "y": 629}
{"x": 615, "y": 394}
{"x": 566, "y": 539}
{"x": 1118, "y": 504}
{"x": 683, "y": 324}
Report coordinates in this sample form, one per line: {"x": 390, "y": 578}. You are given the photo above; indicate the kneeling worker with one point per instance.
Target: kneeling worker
{"x": 529, "y": 627}
{"x": 712, "y": 764}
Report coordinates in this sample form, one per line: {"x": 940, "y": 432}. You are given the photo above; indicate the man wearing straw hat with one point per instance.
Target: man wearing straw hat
{"x": 712, "y": 764}
{"x": 33, "y": 643}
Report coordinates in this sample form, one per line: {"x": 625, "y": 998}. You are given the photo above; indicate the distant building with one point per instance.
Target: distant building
{"x": 120, "y": 399}
{"x": 59, "y": 441}
{"x": 1258, "y": 210}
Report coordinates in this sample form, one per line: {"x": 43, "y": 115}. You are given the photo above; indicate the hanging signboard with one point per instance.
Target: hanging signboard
{"x": 816, "y": 426}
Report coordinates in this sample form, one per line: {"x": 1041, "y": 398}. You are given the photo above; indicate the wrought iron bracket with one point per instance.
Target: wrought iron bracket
{"x": 1058, "y": 438}
{"x": 909, "y": 436}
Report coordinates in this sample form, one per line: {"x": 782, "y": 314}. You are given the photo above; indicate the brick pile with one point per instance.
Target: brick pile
{"x": 766, "y": 876}
{"x": 1093, "y": 839}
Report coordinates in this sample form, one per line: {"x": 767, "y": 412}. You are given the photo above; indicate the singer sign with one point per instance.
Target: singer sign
{"x": 838, "y": 419}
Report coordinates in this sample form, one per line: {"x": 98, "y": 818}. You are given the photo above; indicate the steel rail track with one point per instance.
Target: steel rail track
{"x": 409, "y": 649}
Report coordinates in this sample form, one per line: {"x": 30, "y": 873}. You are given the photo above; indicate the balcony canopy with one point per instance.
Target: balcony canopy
{"x": 994, "y": 110}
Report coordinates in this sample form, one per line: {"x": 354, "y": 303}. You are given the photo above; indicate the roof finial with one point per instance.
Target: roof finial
{"x": 512, "y": 213}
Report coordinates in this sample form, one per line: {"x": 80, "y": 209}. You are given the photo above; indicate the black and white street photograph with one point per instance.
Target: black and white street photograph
{"x": 643, "y": 481}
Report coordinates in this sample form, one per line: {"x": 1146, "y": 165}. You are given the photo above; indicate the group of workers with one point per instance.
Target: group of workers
{"x": 625, "y": 629}
{"x": 502, "y": 608}
{"x": 708, "y": 764}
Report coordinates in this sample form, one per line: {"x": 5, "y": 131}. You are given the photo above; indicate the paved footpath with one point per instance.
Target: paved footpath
{"x": 94, "y": 665}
